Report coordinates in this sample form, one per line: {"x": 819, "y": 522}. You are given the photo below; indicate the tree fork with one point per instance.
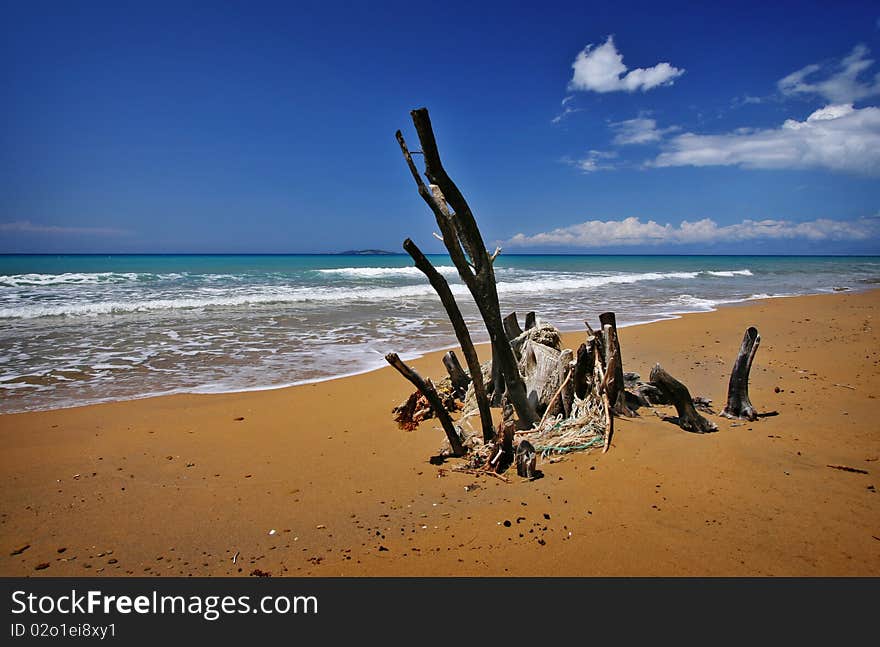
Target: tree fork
{"x": 461, "y": 235}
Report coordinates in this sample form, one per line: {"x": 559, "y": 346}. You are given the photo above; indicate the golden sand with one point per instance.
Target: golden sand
{"x": 195, "y": 484}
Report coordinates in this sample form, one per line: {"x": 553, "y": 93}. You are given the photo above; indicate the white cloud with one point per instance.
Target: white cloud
{"x": 567, "y": 110}
{"x": 748, "y": 99}
{"x": 841, "y": 82}
{"x": 26, "y": 226}
{"x": 601, "y": 69}
{"x": 837, "y": 137}
{"x": 593, "y": 161}
{"x": 641, "y": 130}
{"x": 632, "y": 231}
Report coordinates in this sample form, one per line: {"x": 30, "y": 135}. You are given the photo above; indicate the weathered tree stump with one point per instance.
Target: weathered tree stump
{"x": 426, "y": 387}
{"x": 678, "y": 394}
{"x": 739, "y": 407}
{"x": 460, "y": 380}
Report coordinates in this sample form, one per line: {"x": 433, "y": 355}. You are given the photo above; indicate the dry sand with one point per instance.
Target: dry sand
{"x": 180, "y": 485}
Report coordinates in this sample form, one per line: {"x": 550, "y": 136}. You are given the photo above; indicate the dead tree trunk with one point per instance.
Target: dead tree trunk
{"x": 511, "y": 326}
{"x": 615, "y": 382}
{"x": 461, "y": 332}
{"x": 460, "y": 380}
{"x": 466, "y": 248}
{"x": 678, "y": 394}
{"x": 427, "y": 389}
{"x": 739, "y": 406}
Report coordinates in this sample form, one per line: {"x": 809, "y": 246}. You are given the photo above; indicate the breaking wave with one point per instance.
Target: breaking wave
{"x": 543, "y": 283}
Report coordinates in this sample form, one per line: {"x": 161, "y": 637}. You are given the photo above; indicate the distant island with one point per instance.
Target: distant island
{"x": 366, "y": 252}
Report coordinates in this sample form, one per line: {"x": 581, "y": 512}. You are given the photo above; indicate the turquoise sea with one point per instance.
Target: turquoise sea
{"x": 87, "y": 328}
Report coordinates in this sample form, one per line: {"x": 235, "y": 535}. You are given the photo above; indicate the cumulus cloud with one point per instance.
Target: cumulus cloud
{"x": 836, "y": 137}
{"x": 601, "y": 69}
{"x": 632, "y": 231}
{"x": 26, "y": 226}
{"x": 641, "y": 130}
{"x": 837, "y": 82}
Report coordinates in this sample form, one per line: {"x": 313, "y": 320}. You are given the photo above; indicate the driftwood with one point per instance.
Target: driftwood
{"x": 502, "y": 451}
{"x": 847, "y": 468}
{"x": 461, "y": 332}
{"x": 511, "y": 326}
{"x": 614, "y": 365}
{"x": 578, "y": 392}
{"x": 583, "y": 369}
{"x": 557, "y": 405}
{"x": 466, "y": 248}
{"x": 496, "y": 383}
{"x": 647, "y": 395}
{"x": 460, "y": 380}
{"x": 539, "y": 365}
{"x": 426, "y": 387}
{"x": 604, "y": 373}
{"x": 739, "y": 407}
{"x": 567, "y": 395}
{"x": 526, "y": 460}
{"x": 678, "y": 394}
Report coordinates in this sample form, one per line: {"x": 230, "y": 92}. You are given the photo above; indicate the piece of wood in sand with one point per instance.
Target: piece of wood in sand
{"x": 739, "y": 407}
{"x": 678, "y": 394}
{"x": 526, "y": 459}
{"x": 531, "y": 320}
{"x": 502, "y": 451}
{"x": 847, "y": 468}
{"x": 614, "y": 365}
{"x": 460, "y": 380}
{"x": 427, "y": 389}
{"x": 583, "y": 369}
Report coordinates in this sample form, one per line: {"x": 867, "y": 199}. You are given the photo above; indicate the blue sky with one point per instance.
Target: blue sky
{"x": 263, "y": 127}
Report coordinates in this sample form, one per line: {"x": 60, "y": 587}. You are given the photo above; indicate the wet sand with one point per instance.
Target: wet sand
{"x": 195, "y": 484}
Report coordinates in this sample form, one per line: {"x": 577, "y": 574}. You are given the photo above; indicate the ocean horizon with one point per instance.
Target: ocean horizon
{"x": 84, "y": 328}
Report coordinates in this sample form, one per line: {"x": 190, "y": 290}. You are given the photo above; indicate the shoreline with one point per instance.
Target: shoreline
{"x": 412, "y": 356}
{"x": 177, "y": 485}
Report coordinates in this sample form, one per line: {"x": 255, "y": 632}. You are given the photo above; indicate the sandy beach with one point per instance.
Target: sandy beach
{"x": 318, "y": 479}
